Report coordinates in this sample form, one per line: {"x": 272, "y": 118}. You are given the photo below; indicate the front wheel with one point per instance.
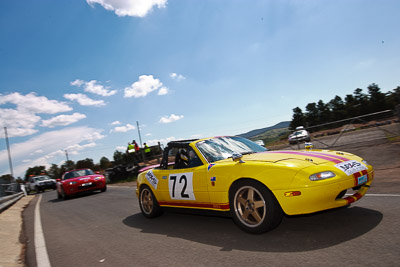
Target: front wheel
{"x": 148, "y": 203}
{"x": 254, "y": 208}
{"x": 63, "y": 194}
{"x": 104, "y": 189}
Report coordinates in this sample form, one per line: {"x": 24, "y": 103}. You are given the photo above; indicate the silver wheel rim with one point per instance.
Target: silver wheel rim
{"x": 146, "y": 200}
{"x": 249, "y": 205}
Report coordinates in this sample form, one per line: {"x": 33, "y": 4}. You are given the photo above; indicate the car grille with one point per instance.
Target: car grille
{"x": 87, "y": 186}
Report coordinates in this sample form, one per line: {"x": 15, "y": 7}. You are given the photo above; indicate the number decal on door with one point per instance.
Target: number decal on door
{"x": 181, "y": 186}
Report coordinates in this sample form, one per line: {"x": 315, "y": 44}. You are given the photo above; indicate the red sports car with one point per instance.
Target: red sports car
{"x": 77, "y": 181}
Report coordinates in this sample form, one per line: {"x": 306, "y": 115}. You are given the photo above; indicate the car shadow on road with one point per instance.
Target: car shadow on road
{"x": 295, "y": 234}
{"x": 74, "y": 197}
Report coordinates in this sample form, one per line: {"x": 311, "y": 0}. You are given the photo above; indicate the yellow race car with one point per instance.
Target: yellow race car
{"x": 256, "y": 185}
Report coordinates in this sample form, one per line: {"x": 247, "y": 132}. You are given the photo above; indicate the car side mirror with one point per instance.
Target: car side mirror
{"x": 97, "y": 172}
{"x": 58, "y": 180}
{"x": 237, "y": 157}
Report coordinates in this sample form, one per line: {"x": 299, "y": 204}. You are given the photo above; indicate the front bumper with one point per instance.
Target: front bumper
{"x": 324, "y": 197}
{"x": 44, "y": 186}
{"x": 85, "y": 187}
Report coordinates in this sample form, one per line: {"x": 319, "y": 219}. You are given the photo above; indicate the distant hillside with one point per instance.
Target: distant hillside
{"x": 258, "y": 132}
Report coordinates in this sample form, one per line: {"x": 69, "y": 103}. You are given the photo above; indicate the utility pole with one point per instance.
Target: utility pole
{"x": 138, "y": 128}
{"x": 66, "y": 154}
{"x": 9, "y": 152}
{"x": 140, "y": 140}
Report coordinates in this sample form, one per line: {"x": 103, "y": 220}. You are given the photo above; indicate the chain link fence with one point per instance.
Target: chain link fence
{"x": 378, "y": 127}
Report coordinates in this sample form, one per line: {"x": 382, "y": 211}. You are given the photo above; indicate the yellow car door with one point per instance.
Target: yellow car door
{"x": 183, "y": 187}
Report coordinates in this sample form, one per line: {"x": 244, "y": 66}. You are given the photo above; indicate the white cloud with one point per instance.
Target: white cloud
{"x": 134, "y": 8}
{"x": 93, "y": 87}
{"x": 84, "y": 100}
{"x": 18, "y": 123}
{"x": 123, "y": 129}
{"x": 144, "y": 86}
{"x": 164, "y": 141}
{"x": 121, "y": 148}
{"x": 31, "y": 103}
{"x": 22, "y": 120}
{"x": 74, "y": 149}
{"x": 178, "y": 77}
{"x": 163, "y": 91}
{"x": 53, "y": 145}
{"x": 171, "y": 118}
{"x": 63, "y": 120}
{"x": 116, "y": 123}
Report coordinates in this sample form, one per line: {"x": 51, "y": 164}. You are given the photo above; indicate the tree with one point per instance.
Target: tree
{"x": 324, "y": 113}
{"x": 85, "y": 163}
{"x": 120, "y": 158}
{"x": 377, "y": 99}
{"x": 360, "y": 102}
{"x": 37, "y": 170}
{"x": 54, "y": 171}
{"x": 105, "y": 163}
{"x": 394, "y": 97}
{"x": 67, "y": 166}
{"x": 6, "y": 177}
{"x": 337, "y": 108}
{"x": 298, "y": 118}
{"x": 351, "y": 106}
{"x": 312, "y": 114}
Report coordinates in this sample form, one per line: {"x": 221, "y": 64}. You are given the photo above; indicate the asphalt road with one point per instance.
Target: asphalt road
{"x": 107, "y": 229}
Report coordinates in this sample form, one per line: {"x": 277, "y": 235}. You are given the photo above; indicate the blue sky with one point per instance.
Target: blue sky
{"x": 77, "y": 75}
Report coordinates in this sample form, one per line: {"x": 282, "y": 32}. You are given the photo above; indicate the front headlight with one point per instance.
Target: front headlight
{"x": 72, "y": 183}
{"x": 322, "y": 176}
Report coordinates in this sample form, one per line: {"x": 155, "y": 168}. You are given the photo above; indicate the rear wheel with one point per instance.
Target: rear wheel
{"x": 253, "y": 207}
{"x": 148, "y": 203}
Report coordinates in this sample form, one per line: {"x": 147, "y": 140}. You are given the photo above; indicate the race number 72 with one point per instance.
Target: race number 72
{"x": 181, "y": 186}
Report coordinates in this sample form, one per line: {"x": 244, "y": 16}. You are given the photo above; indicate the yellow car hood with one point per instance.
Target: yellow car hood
{"x": 310, "y": 156}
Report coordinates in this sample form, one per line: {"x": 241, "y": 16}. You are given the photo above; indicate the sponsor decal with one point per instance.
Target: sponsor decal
{"x": 213, "y": 180}
{"x": 350, "y": 167}
{"x": 152, "y": 179}
{"x": 210, "y": 166}
{"x": 180, "y": 186}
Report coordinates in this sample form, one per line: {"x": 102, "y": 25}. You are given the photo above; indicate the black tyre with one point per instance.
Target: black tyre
{"x": 104, "y": 189}
{"x": 63, "y": 195}
{"x": 148, "y": 203}
{"x": 37, "y": 189}
{"x": 253, "y": 207}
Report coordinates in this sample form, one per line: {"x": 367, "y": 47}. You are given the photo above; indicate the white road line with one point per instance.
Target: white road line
{"x": 378, "y": 195}
{"x": 42, "y": 259}
{"x": 382, "y": 195}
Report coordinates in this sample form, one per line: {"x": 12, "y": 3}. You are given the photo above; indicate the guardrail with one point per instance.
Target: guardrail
{"x": 6, "y": 202}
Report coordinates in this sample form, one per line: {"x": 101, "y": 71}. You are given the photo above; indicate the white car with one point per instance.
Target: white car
{"x": 40, "y": 183}
{"x": 299, "y": 135}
